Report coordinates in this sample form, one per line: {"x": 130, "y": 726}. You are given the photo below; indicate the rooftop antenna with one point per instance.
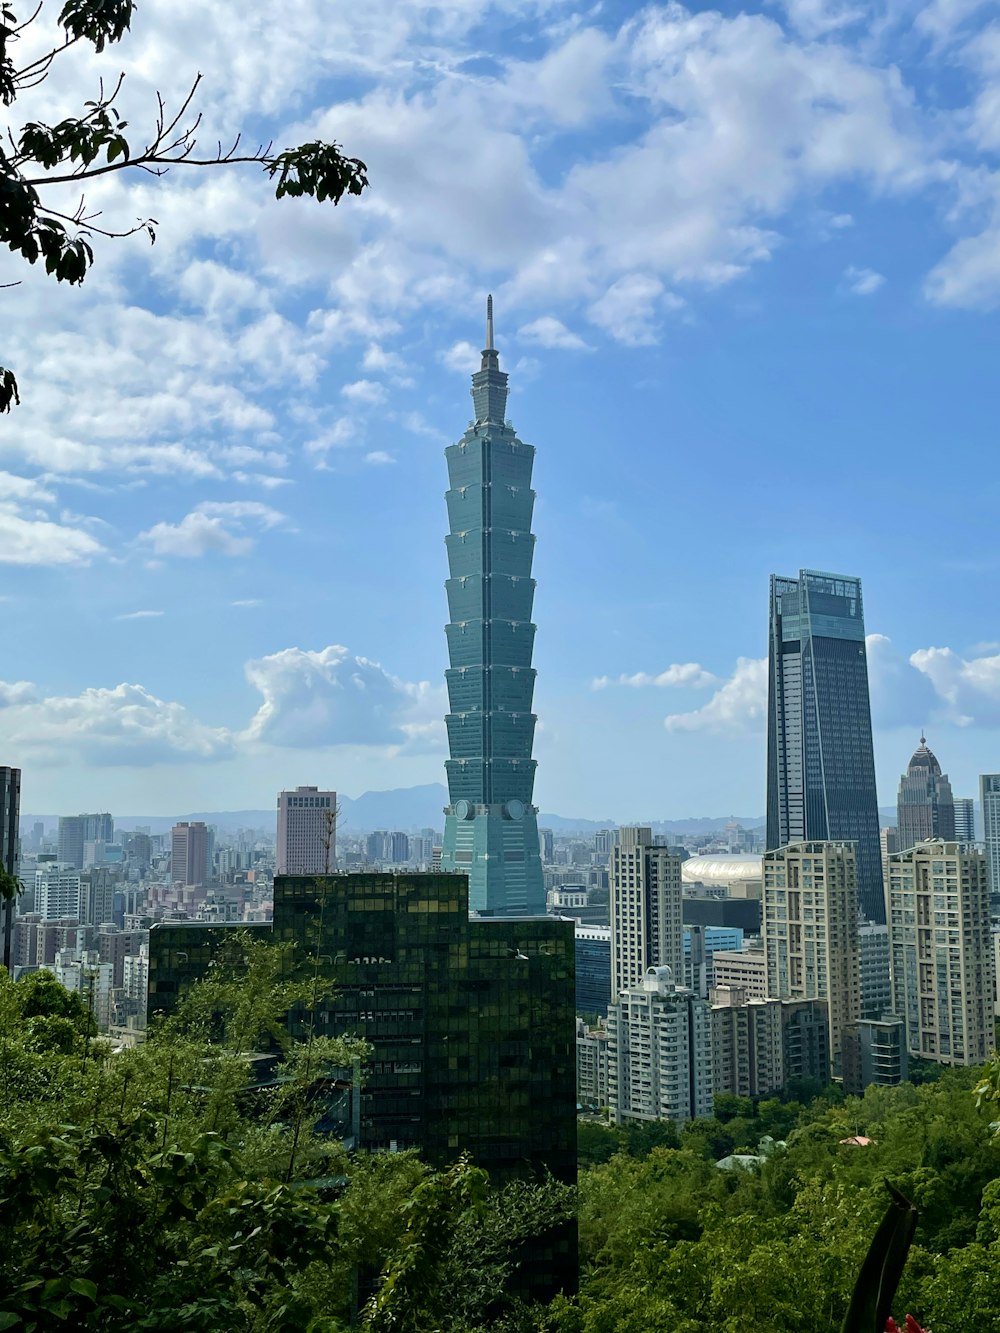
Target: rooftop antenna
{"x": 489, "y": 323}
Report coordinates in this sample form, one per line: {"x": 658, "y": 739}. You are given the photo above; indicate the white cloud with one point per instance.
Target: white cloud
{"x": 968, "y": 687}
{"x": 247, "y": 601}
{"x": 548, "y": 331}
{"x": 139, "y": 615}
{"x": 364, "y": 391}
{"x": 816, "y": 18}
{"x": 379, "y": 458}
{"x": 863, "y": 281}
{"x": 213, "y": 526}
{"x": 461, "y": 357}
{"x": 36, "y": 541}
{"x": 678, "y": 675}
{"x": 331, "y": 697}
{"x": 739, "y": 705}
{"x": 628, "y": 308}
{"x": 123, "y": 725}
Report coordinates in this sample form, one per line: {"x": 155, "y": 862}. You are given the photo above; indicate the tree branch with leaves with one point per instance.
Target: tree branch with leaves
{"x": 37, "y": 157}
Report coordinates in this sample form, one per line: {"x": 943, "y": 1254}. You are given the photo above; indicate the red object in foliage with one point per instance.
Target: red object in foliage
{"x": 911, "y": 1326}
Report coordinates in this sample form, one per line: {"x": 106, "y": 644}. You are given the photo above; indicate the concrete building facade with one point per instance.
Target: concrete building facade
{"x": 810, "y": 931}
{"x": 190, "y": 854}
{"x": 941, "y": 951}
{"x": 307, "y": 832}
{"x": 925, "y": 807}
{"x": 645, "y": 907}
{"x": 660, "y": 1052}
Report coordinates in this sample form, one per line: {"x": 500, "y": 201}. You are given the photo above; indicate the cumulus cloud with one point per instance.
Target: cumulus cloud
{"x": 123, "y": 725}
{"x": 332, "y": 697}
{"x": 38, "y": 541}
{"x": 969, "y": 688}
{"x": 738, "y": 705}
{"x": 678, "y": 674}
{"x": 213, "y": 527}
{"x": 309, "y": 700}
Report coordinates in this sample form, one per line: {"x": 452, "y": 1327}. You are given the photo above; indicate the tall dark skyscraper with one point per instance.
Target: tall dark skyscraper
{"x": 925, "y": 807}
{"x": 491, "y": 825}
{"x": 820, "y": 761}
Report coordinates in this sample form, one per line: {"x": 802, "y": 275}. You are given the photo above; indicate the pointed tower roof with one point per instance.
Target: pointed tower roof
{"x": 489, "y": 383}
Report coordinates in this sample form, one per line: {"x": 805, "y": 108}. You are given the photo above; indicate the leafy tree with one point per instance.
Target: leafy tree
{"x": 37, "y": 158}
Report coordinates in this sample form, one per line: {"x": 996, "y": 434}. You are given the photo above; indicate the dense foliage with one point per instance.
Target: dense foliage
{"x": 160, "y": 1188}
{"x": 163, "y": 1189}
{"x": 672, "y": 1241}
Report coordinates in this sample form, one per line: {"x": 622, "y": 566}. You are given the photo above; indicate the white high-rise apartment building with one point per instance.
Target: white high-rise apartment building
{"x": 307, "y": 832}
{"x": 989, "y": 802}
{"x": 659, "y": 1051}
{"x": 646, "y": 928}
{"x": 57, "y": 891}
{"x": 810, "y": 930}
{"x": 941, "y": 951}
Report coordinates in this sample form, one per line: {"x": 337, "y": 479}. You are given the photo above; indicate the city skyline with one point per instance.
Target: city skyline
{"x": 267, "y": 498}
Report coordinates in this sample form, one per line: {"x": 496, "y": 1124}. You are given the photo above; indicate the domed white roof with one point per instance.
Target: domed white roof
{"x": 719, "y": 868}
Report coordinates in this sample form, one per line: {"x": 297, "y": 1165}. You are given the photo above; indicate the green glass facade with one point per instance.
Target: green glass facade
{"x": 491, "y": 825}
{"x": 472, "y": 1022}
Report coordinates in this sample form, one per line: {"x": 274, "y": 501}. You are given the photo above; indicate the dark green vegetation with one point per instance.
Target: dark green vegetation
{"x": 671, "y": 1241}
{"x": 36, "y": 157}
{"x": 158, "y": 1189}
{"x": 155, "y": 1189}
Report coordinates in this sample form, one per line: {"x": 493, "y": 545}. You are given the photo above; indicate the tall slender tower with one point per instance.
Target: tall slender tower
{"x": 491, "y": 825}
{"x": 820, "y": 761}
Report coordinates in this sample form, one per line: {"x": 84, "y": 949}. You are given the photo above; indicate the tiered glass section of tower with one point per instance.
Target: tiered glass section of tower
{"x": 491, "y": 829}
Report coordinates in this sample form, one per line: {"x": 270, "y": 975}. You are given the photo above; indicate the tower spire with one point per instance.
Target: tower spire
{"x": 489, "y": 323}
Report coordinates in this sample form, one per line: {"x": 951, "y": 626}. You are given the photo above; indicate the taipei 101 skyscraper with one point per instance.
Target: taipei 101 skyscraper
{"x": 491, "y": 825}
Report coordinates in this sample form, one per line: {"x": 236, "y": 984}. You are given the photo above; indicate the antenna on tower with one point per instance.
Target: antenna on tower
{"x": 489, "y": 323}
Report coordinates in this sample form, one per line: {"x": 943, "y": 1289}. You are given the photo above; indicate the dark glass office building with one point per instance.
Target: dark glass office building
{"x": 491, "y": 825}
{"x": 472, "y": 1022}
{"x": 593, "y": 970}
{"x": 820, "y": 760}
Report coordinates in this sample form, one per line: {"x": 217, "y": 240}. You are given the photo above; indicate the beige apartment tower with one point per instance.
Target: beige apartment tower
{"x": 941, "y": 951}
{"x": 646, "y": 930}
{"x": 307, "y": 832}
{"x": 810, "y": 930}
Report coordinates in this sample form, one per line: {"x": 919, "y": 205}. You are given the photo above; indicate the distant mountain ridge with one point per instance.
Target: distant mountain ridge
{"x": 419, "y": 807}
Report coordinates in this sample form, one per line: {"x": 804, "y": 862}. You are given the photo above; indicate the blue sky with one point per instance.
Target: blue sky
{"x": 746, "y": 265}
